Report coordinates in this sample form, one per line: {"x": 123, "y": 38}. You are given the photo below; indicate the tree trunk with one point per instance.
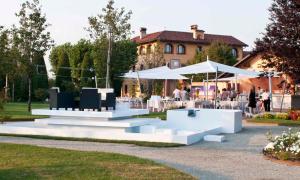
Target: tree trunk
{"x": 13, "y": 92}
{"x": 6, "y": 87}
{"x": 29, "y": 94}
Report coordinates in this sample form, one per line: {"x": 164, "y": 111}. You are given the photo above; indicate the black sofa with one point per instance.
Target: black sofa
{"x": 90, "y": 99}
{"x": 61, "y": 99}
{"x": 110, "y": 101}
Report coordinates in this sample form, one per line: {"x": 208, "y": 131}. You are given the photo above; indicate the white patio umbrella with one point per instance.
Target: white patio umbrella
{"x": 163, "y": 73}
{"x": 213, "y": 67}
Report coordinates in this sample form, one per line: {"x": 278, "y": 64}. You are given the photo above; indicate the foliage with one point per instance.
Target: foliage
{"x": 152, "y": 59}
{"x": 33, "y": 38}
{"x": 280, "y": 43}
{"x": 217, "y": 51}
{"x": 87, "y": 71}
{"x": 112, "y": 20}
{"x": 285, "y": 146}
{"x": 41, "y": 94}
{"x": 63, "y": 74}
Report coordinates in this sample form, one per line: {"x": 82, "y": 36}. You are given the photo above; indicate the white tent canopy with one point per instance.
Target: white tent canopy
{"x": 156, "y": 73}
{"x": 212, "y": 67}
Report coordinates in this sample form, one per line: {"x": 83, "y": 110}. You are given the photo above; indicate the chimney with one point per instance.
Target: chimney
{"x": 197, "y": 34}
{"x": 143, "y": 32}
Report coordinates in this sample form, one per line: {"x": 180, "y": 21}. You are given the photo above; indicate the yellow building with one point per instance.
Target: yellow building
{"x": 177, "y": 49}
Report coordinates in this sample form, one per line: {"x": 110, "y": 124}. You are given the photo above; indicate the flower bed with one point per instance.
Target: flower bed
{"x": 285, "y": 146}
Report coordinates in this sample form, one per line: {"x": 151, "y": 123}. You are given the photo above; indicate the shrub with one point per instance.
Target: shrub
{"x": 285, "y": 146}
{"x": 268, "y": 116}
{"x": 283, "y": 116}
{"x": 293, "y": 115}
{"x": 40, "y": 94}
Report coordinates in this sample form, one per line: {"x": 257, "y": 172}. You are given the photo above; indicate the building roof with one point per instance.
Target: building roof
{"x": 187, "y": 37}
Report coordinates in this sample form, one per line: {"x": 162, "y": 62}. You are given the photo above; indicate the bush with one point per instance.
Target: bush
{"x": 268, "y": 116}
{"x": 294, "y": 115}
{"x": 40, "y": 94}
{"x": 4, "y": 117}
{"x": 284, "y": 147}
{"x": 283, "y": 116}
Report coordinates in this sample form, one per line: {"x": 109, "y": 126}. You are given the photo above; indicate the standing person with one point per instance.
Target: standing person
{"x": 266, "y": 100}
{"x": 232, "y": 94}
{"x": 183, "y": 94}
{"x": 252, "y": 100}
{"x": 176, "y": 94}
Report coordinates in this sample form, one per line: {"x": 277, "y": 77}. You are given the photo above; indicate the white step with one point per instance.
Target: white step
{"x": 214, "y": 138}
{"x": 99, "y": 123}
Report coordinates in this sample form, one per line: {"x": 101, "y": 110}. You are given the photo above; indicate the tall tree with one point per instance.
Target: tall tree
{"x": 280, "y": 44}
{"x": 113, "y": 25}
{"x": 87, "y": 71}
{"x": 33, "y": 37}
{"x": 63, "y": 73}
{"x": 76, "y": 57}
{"x": 4, "y": 57}
{"x": 217, "y": 51}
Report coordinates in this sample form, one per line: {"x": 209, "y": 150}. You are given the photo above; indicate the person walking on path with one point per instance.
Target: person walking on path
{"x": 252, "y": 100}
{"x": 266, "y": 100}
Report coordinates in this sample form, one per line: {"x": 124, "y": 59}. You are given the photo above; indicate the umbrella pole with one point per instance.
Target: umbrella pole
{"x": 206, "y": 92}
{"x": 216, "y": 89}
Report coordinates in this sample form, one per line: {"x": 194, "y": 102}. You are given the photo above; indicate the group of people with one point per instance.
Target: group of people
{"x": 262, "y": 96}
{"x": 181, "y": 95}
{"x": 228, "y": 94}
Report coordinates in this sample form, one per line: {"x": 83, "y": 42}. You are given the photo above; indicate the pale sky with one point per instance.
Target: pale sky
{"x": 245, "y": 20}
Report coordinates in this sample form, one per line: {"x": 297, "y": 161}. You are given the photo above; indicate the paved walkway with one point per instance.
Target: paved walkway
{"x": 239, "y": 157}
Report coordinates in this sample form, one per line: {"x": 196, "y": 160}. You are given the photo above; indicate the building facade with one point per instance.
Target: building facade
{"x": 175, "y": 49}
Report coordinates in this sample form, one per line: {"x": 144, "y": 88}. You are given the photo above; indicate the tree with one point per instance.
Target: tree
{"x": 63, "y": 73}
{"x": 4, "y": 57}
{"x": 33, "y": 38}
{"x": 87, "y": 71}
{"x": 112, "y": 25}
{"x": 123, "y": 58}
{"x": 217, "y": 51}
{"x": 280, "y": 44}
{"x": 151, "y": 59}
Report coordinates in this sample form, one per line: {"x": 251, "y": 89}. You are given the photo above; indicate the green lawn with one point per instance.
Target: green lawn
{"x": 161, "y": 115}
{"x": 279, "y": 122}
{"x": 30, "y": 162}
{"x": 18, "y": 111}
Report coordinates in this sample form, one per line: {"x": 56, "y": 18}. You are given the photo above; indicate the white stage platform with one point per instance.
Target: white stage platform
{"x": 182, "y": 126}
{"x": 111, "y": 114}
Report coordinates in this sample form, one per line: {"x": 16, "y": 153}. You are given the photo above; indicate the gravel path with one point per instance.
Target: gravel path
{"x": 239, "y": 157}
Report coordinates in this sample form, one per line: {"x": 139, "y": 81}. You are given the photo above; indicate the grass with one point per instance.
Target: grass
{"x": 161, "y": 115}
{"x": 30, "y": 162}
{"x": 18, "y": 111}
{"x": 279, "y": 122}
{"x": 138, "y": 143}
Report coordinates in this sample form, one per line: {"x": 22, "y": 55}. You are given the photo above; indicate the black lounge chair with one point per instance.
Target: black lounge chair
{"x": 110, "y": 101}
{"x": 90, "y": 99}
{"x": 61, "y": 99}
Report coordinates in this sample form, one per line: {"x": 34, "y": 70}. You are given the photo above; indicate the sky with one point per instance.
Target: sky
{"x": 245, "y": 20}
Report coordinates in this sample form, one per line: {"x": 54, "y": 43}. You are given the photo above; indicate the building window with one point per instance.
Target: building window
{"x": 168, "y": 49}
{"x": 180, "y": 49}
{"x": 142, "y": 50}
{"x": 199, "y": 49}
{"x": 126, "y": 89}
{"x": 148, "y": 49}
{"x": 175, "y": 63}
{"x": 142, "y": 67}
{"x": 234, "y": 52}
